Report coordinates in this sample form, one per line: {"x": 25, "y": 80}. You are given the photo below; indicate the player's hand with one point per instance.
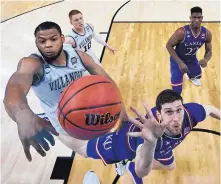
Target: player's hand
{"x": 183, "y": 68}
{"x": 150, "y": 128}
{"x": 34, "y": 131}
{"x": 122, "y": 119}
{"x": 203, "y": 63}
{"x": 112, "y": 50}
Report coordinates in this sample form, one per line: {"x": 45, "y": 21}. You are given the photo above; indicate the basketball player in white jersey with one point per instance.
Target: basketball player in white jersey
{"x": 81, "y": 35}
{"x": 48, "y": 72}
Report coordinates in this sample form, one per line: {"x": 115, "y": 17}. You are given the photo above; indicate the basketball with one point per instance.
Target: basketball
{"x": 90, "y": 106}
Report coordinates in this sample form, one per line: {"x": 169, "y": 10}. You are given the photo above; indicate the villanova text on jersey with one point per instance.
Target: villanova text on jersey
{"x": 64, "y": 81}
{"x": 187, "y": 49}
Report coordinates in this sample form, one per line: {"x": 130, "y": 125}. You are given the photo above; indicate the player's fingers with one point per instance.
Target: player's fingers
{"x": 26, "y": 148}
{"x": 38, "y": 148}
{"x": 139, "y": 115}
{"x": 148, "y": 110}
{"x": 48, "y": 136}
{"x": 43, "y": 143}
{"x": 135, "y": 134}
{"x": 52, "y": 129}
{"x": 136, "y": 123}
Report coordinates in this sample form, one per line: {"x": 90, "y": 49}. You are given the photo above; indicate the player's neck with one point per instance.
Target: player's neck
{"x": 80, "y": 30}
{"x": 61, "y": 60}
{"x": 195, "y": 30}
{"x": 168, "y": 132}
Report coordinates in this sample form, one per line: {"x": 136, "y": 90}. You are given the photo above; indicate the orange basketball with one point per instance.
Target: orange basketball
{"x": 89, "y": 107}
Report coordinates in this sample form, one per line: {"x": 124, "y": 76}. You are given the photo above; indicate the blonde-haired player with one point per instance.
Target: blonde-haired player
{"x": 81, "y": 35}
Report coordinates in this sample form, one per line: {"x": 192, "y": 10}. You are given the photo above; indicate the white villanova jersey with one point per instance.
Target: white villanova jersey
{"x": 83, "y": 42}
{"x": 55, "y": 79}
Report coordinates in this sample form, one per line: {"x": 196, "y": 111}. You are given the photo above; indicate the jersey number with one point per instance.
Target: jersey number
{"x": 87, "y": 47}
{"x": 192, "y": 51}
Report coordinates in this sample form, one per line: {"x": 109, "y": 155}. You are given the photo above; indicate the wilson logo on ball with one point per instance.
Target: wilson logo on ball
{"x": 95, "y": 119}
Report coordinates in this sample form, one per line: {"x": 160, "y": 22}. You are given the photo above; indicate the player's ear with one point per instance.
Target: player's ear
{"x": 62, "y": 38}
{"x": 190, "y": 17}
{"x": 158, "y": 115}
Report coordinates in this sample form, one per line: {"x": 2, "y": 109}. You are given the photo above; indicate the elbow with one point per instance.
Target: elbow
{"x": 142, "y": 170}
{"x": 168, "y": 47}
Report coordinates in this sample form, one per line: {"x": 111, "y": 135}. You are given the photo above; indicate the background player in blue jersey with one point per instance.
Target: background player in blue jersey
{"x": 140, "y": 138}
{"x": 187, "y": 40}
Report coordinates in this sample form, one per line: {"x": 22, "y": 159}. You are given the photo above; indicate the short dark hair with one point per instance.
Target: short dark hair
{"x": 73, "y": 12}
{"x": 196, "y": 9}
{"x": 47, "y": 25}
{"x": 167, "y": 96}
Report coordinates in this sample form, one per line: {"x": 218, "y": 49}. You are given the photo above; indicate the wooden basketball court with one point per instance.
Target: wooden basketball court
{"x": 140, "y": 68}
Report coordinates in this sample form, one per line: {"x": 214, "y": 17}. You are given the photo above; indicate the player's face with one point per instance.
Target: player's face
{"x": 172, "y": 113}
{"x": 196, "y": 19}
{"x": 77, "y": 21}
{"x": 49, "y": 43}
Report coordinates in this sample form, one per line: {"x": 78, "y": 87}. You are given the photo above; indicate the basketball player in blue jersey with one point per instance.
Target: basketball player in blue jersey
{"x": 149, "y": 139}
{"x": 81, "y": 35}
{"x": 187, "y": 40}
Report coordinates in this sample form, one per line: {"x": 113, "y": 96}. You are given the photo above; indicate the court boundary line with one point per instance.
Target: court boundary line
{"x": 31, "y": 11}
{"x": 117, "y": 22}
{"x": 109, "y": 30}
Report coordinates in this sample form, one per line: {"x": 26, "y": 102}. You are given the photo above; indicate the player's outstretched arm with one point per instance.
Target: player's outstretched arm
{"x": 30, "y": 126}
{"x": 212, "y": 111}
{"x": 151, "y": 130}
{"x": 101, "y": 41}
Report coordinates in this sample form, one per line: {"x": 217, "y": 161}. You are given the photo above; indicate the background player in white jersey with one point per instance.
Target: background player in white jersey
{"x": 48, "y": 72}
{"x": 81, "y": 35}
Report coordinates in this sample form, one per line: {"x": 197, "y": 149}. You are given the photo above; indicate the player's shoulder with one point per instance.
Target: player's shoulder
{"x": 181, "y": 30}
{"x": 30, "y": 64}
{"x": 90, "y": 25}
{"x": 191, "y": 105}
{"x": 196, "y": 111}
{"x": 194, "y": 108}
{"x": 33, "y": 59}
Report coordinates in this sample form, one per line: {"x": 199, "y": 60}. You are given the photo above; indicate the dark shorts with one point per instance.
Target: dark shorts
{"x": 113, "y": 147}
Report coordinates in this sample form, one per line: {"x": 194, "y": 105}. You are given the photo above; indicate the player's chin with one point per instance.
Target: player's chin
{"x": 176, "y": 131}
{"x": 196, "y": 25}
